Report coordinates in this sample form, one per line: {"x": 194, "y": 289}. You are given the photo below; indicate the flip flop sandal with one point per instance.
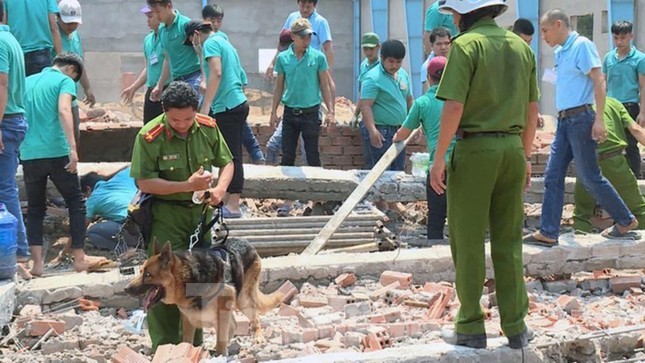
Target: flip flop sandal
{"x": 613, "y": 233}
{"x": 230, "y": 215}
{"x": 284, "y": 211}
{"x": 531, "y": 240}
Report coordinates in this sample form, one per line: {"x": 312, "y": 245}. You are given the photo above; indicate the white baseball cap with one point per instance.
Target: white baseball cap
{"x": 70, "y": 11}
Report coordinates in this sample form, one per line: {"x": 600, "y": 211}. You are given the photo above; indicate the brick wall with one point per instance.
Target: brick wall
{"x": 340, "y": 148}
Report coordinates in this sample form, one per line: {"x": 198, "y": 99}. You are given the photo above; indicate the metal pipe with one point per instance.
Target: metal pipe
{"x": 306, "y": 237}
{"x": 276, "y": 233}
{"x": 357, "y": 44}
{"x": 277, "y": 220}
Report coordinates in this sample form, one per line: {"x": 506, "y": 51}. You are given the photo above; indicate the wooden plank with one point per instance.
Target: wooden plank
{"x": 357, "y": 195}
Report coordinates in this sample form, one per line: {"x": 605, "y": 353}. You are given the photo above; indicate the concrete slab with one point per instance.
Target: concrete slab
{"x": 437, "y": 352}
{"x": 7, "y": 301}
{"x": 575, "y": 254}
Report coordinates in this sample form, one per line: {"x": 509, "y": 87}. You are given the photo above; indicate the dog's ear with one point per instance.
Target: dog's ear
{"x": 155, "y": 247}
{"x": 165, "y": 256}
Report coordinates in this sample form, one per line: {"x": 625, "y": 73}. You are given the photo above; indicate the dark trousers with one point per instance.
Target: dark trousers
{"x": 36, "y": 60}
{"x": 437, "y": 209}
{"x": 231, "y": 125}
{"x": 632, "y": 153}
{"x": 151, "y": 109}
{"x": 307, "y": 124}
{"x": 36, "y": 172}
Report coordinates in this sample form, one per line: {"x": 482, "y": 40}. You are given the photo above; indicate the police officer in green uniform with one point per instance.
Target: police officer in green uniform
{"x": 495, "y": 120}
{"x": 170, "y": 160}
{"x": 614, "y": 166}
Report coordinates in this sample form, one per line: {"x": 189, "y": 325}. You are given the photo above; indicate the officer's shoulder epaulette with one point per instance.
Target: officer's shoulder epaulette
{"x": 205, "y": 120}
{"x": 152, "y": 134}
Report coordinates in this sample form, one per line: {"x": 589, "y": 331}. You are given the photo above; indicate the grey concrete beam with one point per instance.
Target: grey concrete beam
{"x": 7, "y": 301}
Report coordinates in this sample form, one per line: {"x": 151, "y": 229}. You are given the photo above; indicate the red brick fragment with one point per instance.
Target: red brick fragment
{"x": 39, "y": 328}
{"x": 288, "y": 290}
{"x": 378, "y": 293}
{"x": 619, "y": 284}
{"x": 567, "y": 303}
{"x": 309, "y": 301}
{"x": 345, "y": 279}
{"x": 242, "y": 324}
{"x": 636, "y": 291}
{"x": 126, "y": 355}
{"x": 388, "y": 277}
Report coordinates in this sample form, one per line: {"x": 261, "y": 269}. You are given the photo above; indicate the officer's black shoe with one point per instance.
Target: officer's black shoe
{"x": 521, "y": 340}
{"x": 476, "y": 341}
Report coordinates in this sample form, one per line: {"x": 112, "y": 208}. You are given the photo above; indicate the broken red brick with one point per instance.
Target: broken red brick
{"x": 388, "y": 277}
{"x": 288, "y": 290}
{"x": 287, "y": 310}
{"x": 88, "y": 305}
{"x": 636, "y": 291}
{"x": 371, "y": 342}
{"x": 309, "y": 335}
{"x": 126, "y": 355}
{"x": 439, "y": 307}
{"x": 309, "y": 301}
{"x": 619, "y": 284}
{"x": 567, "y": 303}
{"x": 242, "y": 324}
{"x": 413, "y": 328}
{"x": 39, "y": 328}
{"x": 326, "y": 331}
{"x": 183, "y": 352}
{"x": 397, "y": 330}
{"x": 338, "y": 302}
{"x": 378, "y": 293}
{"x": 345, "y": 279}
{"x": 576, "y": 313}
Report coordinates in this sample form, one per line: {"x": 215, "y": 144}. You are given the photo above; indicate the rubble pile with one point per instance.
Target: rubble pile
{"x": 351, "y": 314}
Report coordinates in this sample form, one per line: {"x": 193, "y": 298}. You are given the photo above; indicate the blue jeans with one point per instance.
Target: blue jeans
{"x": 104, "y": 235}
{"x": 251, "y": 144}
{"x": 193, "y": 79}
{"x": 376, "y": 153}
{"x": 573, "y": 142}
{"x": 274, "y": 146}
{"x": 13, "y": 130}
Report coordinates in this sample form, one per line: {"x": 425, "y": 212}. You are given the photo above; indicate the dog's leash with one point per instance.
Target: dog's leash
{"x": 197, "y": 238}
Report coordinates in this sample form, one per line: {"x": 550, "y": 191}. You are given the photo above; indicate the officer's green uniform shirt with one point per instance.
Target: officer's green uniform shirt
{"x": 426, "y": 112}
{"x": 622, "y": 75}
{"x": 502, "y": 108}
{"x": 172, "y": 157}
{"x": 29, "y": 22}
{"x": 301, "y": 77}
{"x": 45, "y": 137}
{"x": 182, "y": 58}
{"x": 154, "y": 54}
{"x": 230, "y": 93}
{"x": 617, "y": 120}
{"x": 12, "y": 63}
{"x": 390, "y": 95}
{"x": 366, "y": 67}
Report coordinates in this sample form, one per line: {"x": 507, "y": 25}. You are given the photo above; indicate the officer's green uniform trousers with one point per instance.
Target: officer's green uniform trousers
{"x": 174, "y": 223}
{"x": 486, "y": 180}
{"x": 617, "y": 171}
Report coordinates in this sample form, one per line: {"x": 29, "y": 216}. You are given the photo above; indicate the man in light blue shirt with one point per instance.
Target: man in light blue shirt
{"x": 624, "y": 68}
{"x": 440, "y": 46}
{"x": 33, "y": 23}
{"x": 579, "y": 82}
{"x": 435, "y": 18}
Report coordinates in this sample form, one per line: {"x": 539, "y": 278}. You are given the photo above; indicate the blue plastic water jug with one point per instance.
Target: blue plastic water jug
{"x": 8, "y": 237}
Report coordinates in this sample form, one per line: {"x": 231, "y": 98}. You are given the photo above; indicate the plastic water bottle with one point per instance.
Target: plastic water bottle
{"x": 8, "y": 238}
{"x": 420, "y": 164}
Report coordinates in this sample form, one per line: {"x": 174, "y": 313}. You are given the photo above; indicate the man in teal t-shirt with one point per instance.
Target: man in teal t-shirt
{"x": 151, "y": 72}
{"x": 13, "y": 127}
{"x": 426, "y": 112}
{"x": 33, "y": 23}
{"x": 108, "y": 199}
{"x": 214, "y": 14}
{"x": 49, "y": 152}
{"x": 181, "y": 62}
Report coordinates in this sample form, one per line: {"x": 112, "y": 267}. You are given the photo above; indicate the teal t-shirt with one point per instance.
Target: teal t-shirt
{"x": 12, "y": 63}
{"x": 622, "y": 75}
{"x": 301, "y": 77}
{"x": 110, "y": 199}
{"x": 230, "y": 93}
{"x": 155, "y": 56}
{"x": 222, "y": 34}
{"x": 435, "y": 18}
{"x": 72, "y": 43}
{"x": 29, "y": 22}
{"x": 366, "y": 67}
{"x": 182, "y": 58}
{"x": 45, "y": 137}
{"x": 389, "y": 95}
{"x": 426, "y": 112}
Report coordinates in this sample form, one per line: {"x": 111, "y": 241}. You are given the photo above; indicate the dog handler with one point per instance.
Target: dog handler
{"x": 171, "y": 154}
{"x": 489, "y": 168}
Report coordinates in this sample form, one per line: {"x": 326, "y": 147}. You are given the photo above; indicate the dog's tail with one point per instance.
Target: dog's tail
{"x": 262, "y": 302}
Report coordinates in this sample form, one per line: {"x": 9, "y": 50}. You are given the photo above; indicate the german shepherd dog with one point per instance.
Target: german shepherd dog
{"x": 206, "y": 285}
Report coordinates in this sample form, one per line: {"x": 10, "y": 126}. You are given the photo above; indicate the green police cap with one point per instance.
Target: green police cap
{"x": 370, "y": 40}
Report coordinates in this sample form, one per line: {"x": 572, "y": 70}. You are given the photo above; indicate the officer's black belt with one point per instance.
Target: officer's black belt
{"x": 574, "y": 110}
{"x": 610, "y": 154}
{"x": 180, "y": 203}
{"x": 302, "y": 111}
